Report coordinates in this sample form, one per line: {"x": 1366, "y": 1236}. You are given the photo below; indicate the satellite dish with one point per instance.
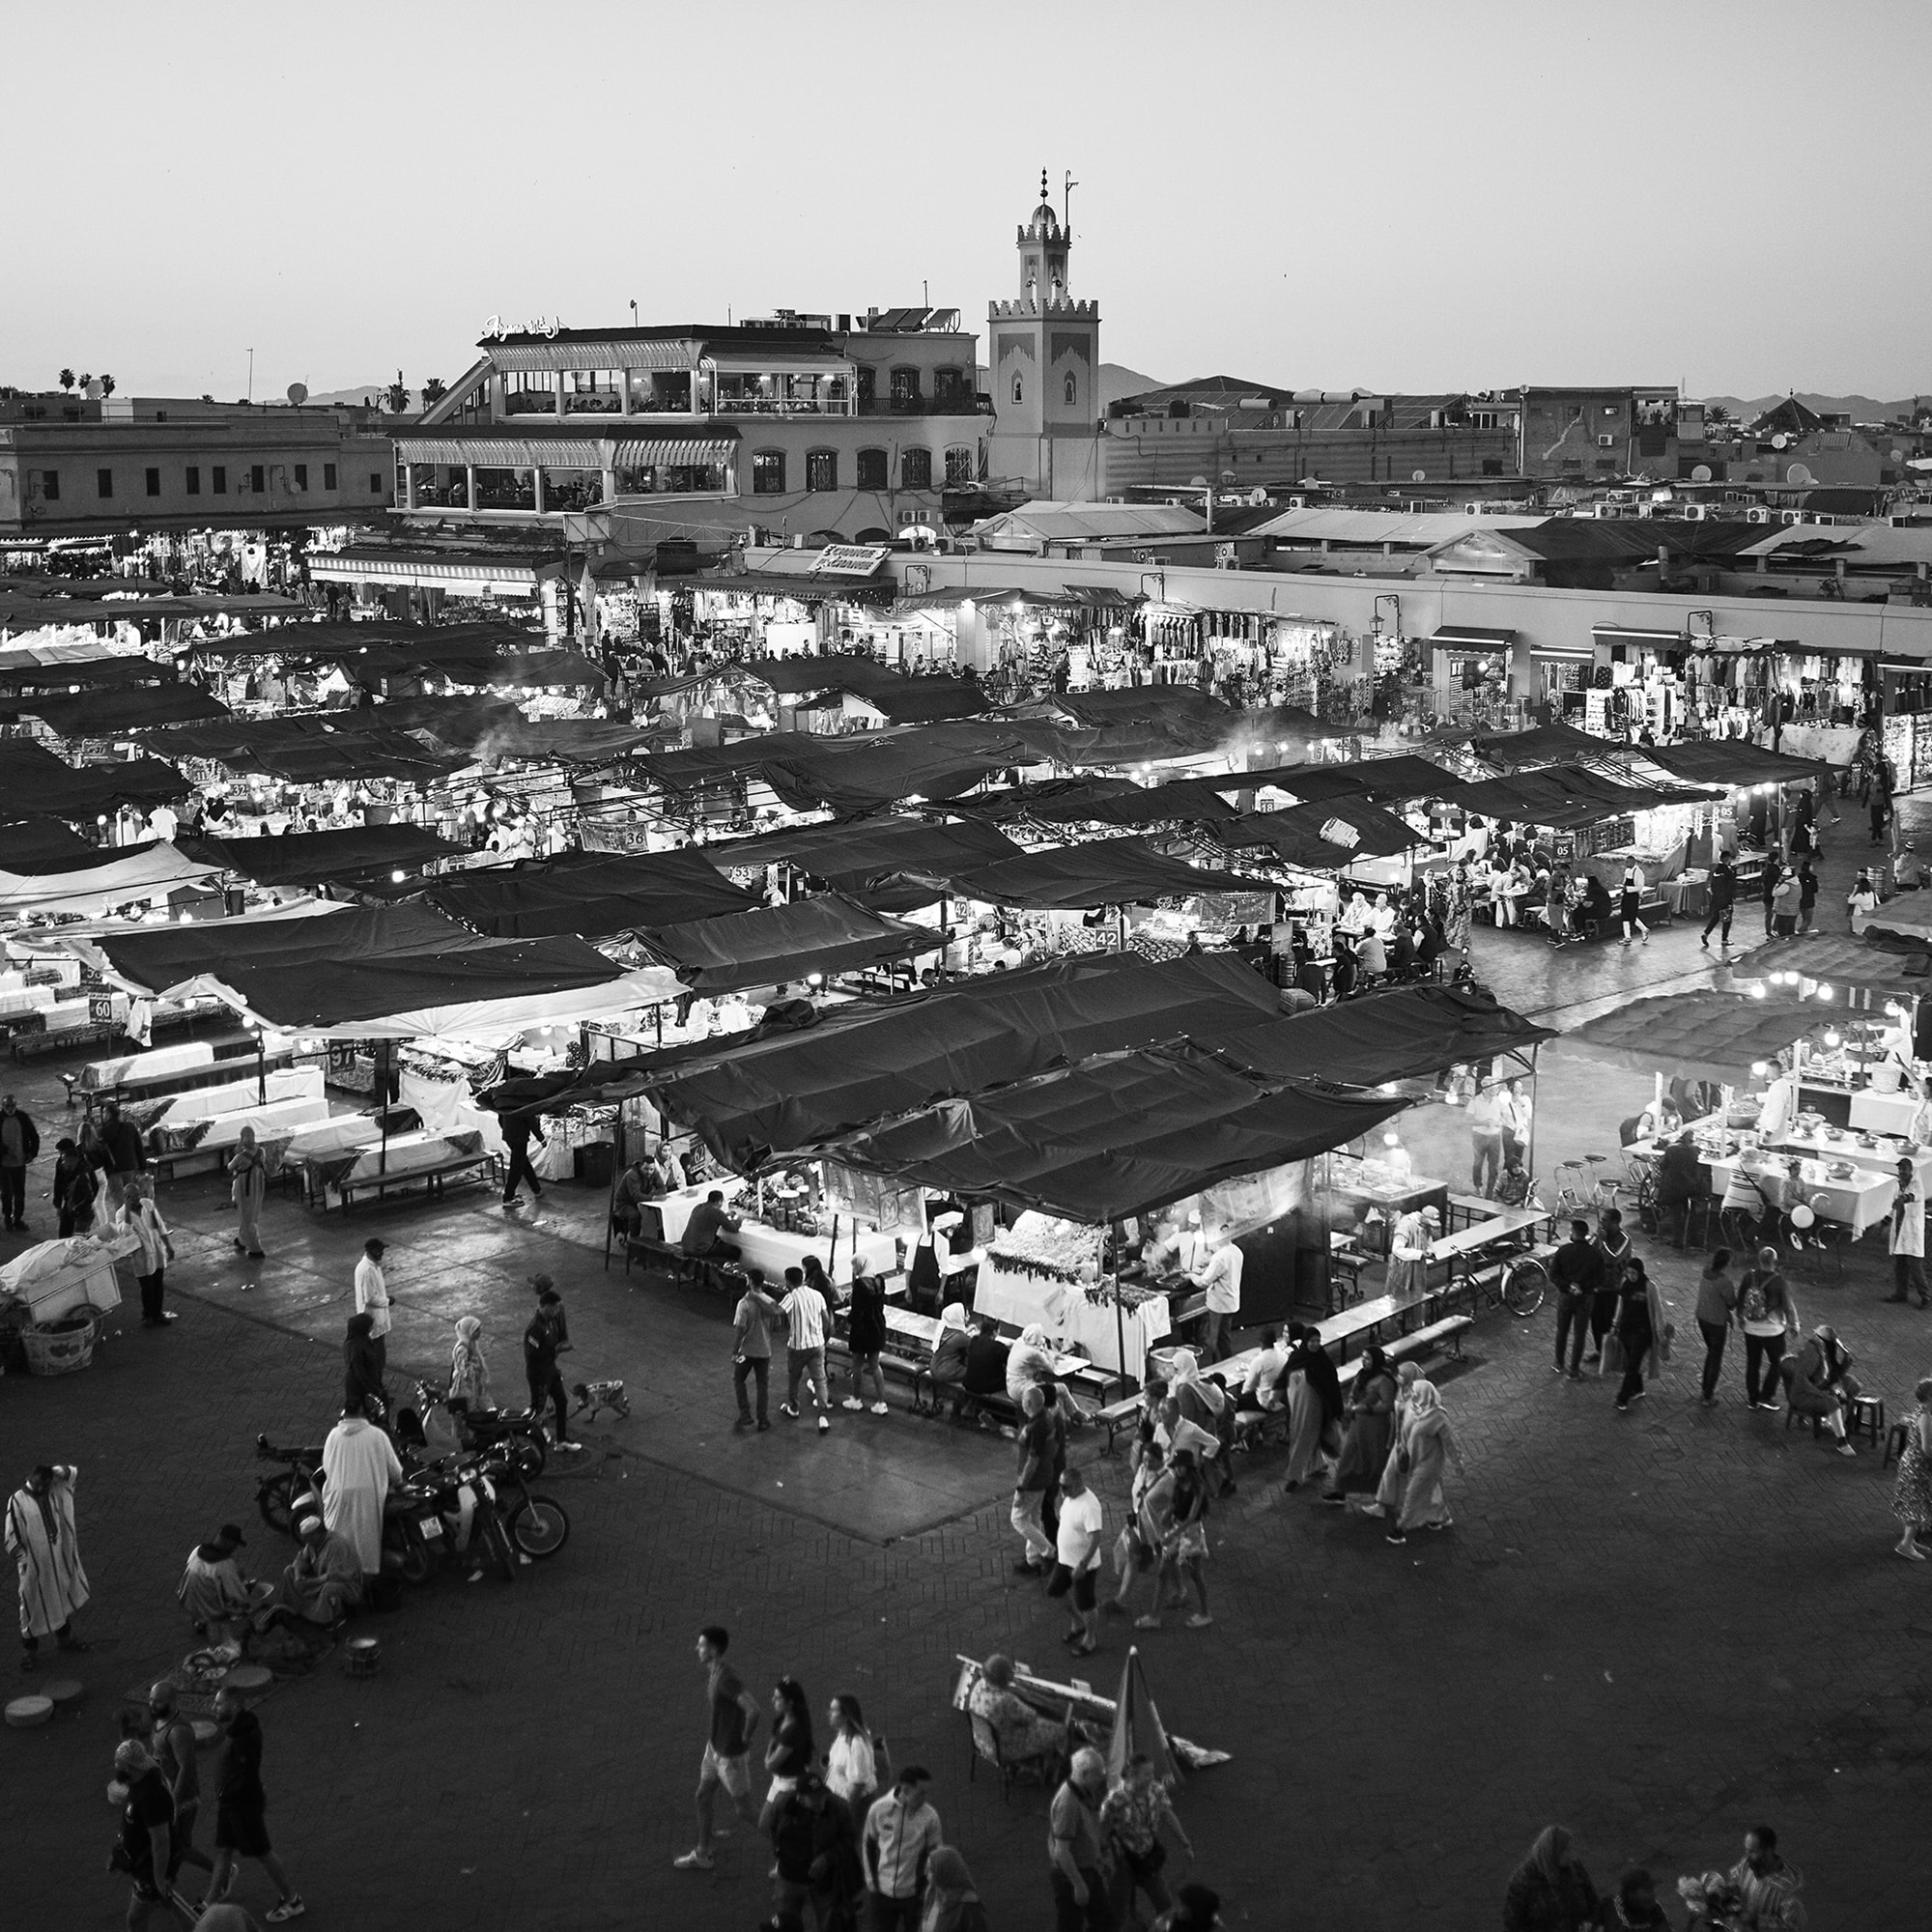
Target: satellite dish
{"x": 93, "y": 391}
{"x": 1779, "y": 440}
{"x": 1898, "y": 456}
{"x": 298, "y": 393}
{"x": 1418, "y": 476}
{"x": 1798, "y": 474}
{"x": 1701, "y": 474}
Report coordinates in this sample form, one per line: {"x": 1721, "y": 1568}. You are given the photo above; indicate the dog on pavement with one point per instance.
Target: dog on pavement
{"x": 593, "y": 1398}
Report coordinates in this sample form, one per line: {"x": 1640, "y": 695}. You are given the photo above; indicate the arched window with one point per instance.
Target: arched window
{"x": 1072, "y": 389}
{"x": 959, "y": 465}
{"x": 1019, "y": 390}
{"x": 873, "y": 470}
{"x": 915, "y": 469}
{"x": 821, "y": 469}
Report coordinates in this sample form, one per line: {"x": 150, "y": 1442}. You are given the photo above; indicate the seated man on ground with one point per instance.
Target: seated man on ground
{"x": 219, "y": 1600}
{"x": 323, "y": 1583}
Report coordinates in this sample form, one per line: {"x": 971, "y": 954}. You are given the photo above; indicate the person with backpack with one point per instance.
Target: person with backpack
{"x": 1767, "y": 1314}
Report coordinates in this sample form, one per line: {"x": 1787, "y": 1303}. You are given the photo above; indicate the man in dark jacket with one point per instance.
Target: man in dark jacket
{"x": 517, "y": 1131}
{"x": 20, "y": 1148}
{"x": 1576, "y": 1268}
{"x": 362, "y": 1369}
{"x": 1723, "y": 897}
{"x": 120, "y": 1143}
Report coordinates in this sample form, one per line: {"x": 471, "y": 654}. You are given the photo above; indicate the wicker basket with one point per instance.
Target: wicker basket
{"x": 59, "y": 1347}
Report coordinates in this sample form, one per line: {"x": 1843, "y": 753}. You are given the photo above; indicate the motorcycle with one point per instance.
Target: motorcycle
{"x": 515, "y": 1432}
{"x": 479, "y": 1502}
{"x": 279, "y": 1497}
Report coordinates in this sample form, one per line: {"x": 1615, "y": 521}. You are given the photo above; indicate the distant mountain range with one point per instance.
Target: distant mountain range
{"x": 1861, "y": 409}
{"x": 369, "y": 392}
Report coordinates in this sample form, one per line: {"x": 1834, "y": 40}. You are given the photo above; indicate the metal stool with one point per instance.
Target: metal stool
{"x": 1866, "y": 1418}
{"x": 1700, "y": 1205}
{"x": 1791, "y": 1416}
{"x": 1895, "y": 1443}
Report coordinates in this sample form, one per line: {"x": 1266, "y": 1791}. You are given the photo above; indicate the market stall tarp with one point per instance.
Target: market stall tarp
{"x": 771, "y": 945}
{"x": 1042, "y": 800}
{"x": 334, "y": 641}
{"x": 1409, "y": 1032}
{"x": 591, "y": 895}
{"x": 350, "y": 754}
{"x": 1141, "y": 704}
{"x": 870, "y": 1060}
{"x": 112, "y": 876}
{"x": 563, "y": 741}
{"x": 305, "y": 858}
{"x": 853, "y": 855}
{"x": 924, "y": 700}
{"x": 1400, "y": 778}
{"x": 537, "y": 670}
{"x": 1729, "y": 762}
{"x": 1546, "y": 744}
{"x": 1075, "y": 878}
{"x": 377, "y": 971}
{"x": 1704, "y": 1035}
{"x": 42, "y": 845}
{"x": 843, "y": 671}
{"x": 1118, "y": 1135}
{"x": 1563, "y": 797}
{"x": 99, "y": 714}
{"x": 1104, "y": 801}
{"x": 1320, "y": 837}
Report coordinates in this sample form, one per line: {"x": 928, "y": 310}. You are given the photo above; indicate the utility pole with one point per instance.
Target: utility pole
{"x": 252, "y": 375}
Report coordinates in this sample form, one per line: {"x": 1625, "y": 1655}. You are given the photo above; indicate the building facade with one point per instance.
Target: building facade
{"x": 827, "y": 428}
{"x": 112, "y": 467}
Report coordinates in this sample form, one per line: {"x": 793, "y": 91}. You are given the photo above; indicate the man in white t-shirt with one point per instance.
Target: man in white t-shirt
{"x": 1221, "y": 1277}
{"x": 372, "y": 1298}
{"x": 1077, "y": 1552}
{"x": 1908, "y": 1237}
{"x": 1486, "y": 1139}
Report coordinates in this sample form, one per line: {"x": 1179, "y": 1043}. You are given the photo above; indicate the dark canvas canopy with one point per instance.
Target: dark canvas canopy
{"x": 850, "y": 854}
{"x": 305, "y": 858}
{"x": 924, "y": 700}
{"x": 771, "y": 945}
{"x": 537, "y": 670}
{"x": 1144, "y": 704}
{"x": 1729, "y": 762}
{"x": 1118, "y": 1135}
{"x": 1403, "y": 777}
{"x": 107, "y": 672}
{"x": 1546, "y": 744}
{"x": 348, "y": 754}
{"x": 363, "y": 964}
{"x": 85, "y": 791}
{"x": 1300, "y": 834}
{"x": 1409, "y": 1032}
{"x": 844, "y": 672}
{"x": 42, "y": 845}
{"x": 870, "y": 1060}
{"x": 1105, "y": 801}
{"x": 98, "y": 714}
{"x": 1704, "y": 1034}
{"x": 333, "y": 642}
{"x": 564, "y": 741}
{"x": 1562, "y": 797}
{"x": 1074, "y": 878}
{"x": 593, "y": 894}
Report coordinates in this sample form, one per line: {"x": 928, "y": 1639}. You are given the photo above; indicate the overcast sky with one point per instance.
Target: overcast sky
{"x": 1402, "y": 196}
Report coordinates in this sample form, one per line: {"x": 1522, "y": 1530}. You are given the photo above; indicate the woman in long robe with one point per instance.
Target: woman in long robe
{"x": 1428, "y": 1444}
{"x": 40, "y": 1537}
{"x": 1314, "y": 1408}
{"x": 1365, "y": 1449}
{"x": 1389, "y": 1491}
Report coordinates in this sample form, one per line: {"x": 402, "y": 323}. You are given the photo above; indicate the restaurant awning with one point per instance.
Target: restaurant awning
{"x": 772, "y": 945}
{"x": 307, "y": 858}
{"x": 1703, "y": 1034}
{"x": 1730, "y": 761}
{"x": 590, "y": 894}
{"x": 1403, "y": 777}
{"x": 1410, "y": 1033}
{"x": 101, "y": 714}
{"x": 1116, "y": 1135}
{"x": 1546, "y": 744}
{"x": 1322, "y": 836}
{"x": 871, "y": 1060}
{"x": 502, "y": 452}
{"x": 1563, "y": 797}
{"x": 379, "y": 972}
{"x": 111, "y": 877}
{"x": 1074, "y": 878}
{"x": 1471, "y": 638}
{"x": 851, "y": 855}
{"x": 1632, "y": 634}
{"x": 1105, "y": 801}
{"x": 676, "y": 452}
{"x": 41, "y": 845}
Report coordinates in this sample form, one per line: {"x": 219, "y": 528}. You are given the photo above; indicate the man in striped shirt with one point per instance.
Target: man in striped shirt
{"x": 805, "y": 1310}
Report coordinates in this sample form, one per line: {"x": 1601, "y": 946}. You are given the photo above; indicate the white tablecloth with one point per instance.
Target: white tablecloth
{"x": 773, "y": 1250}
{"x": 1861, "y": 1202}
{"x": 1875, "y": 1112}
{"x": 1881, "y": 1159}
{"x": 1070, "y": 1318}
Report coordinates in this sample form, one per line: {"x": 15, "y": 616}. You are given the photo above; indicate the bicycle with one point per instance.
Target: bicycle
{"x": 1641, "y": 1181}
{"x": 1517, "y": 1281}
{"x": 1587, "y": 1192}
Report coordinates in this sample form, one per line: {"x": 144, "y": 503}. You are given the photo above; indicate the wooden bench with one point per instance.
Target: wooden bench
{"x": 1422, "y": 1340}
{"x": 1473, "y": 1209}
{"x": 32, "y": 1045}
{"x": 475, "y": 1167}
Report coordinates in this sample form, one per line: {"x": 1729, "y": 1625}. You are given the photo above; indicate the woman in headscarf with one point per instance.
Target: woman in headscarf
{"x": 1314, "y": 1406}
{"x": 1029, "y": 1360}
{"x": 1425, "y": 1443}
{"x": 948, "y": 1373}
{"x": 468, "y": 1367}
{"x": 249, "y": 1173}
{"x": 1205, "y": 1405}
{"x": 1912, "y": 1498}
{"x": 1550, "y": 1892}
{"x": 951, "y": 1903}
{"x": 362, "y": 1367}
{"x": 1389, "y": 1488}
{"x": 73, "y": 1187}
{"x": 1371, "y": 1413}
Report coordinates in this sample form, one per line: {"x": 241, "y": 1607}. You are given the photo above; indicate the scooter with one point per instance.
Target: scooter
{"x": 439, "y": 1512}
{"x": 279, "y": 1497}
{"x": 517, "y": 1433}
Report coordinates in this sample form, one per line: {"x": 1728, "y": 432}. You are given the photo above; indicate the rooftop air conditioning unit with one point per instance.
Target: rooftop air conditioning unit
{"x": 1607, "y": 443}
{"x": 1696, "y": 513}
{"x": 1791, "y": 516}
{"x": 1757, "y": 514}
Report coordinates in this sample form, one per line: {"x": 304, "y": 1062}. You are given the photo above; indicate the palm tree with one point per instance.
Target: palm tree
{"x": 107, "y": 386}
{"x": 1715, "y": 415}
{"x": 397, "y": 396}
{"x": 85, "y": 379}
{"x": 67, "y": 379}
{"x": 434, "y": 391}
